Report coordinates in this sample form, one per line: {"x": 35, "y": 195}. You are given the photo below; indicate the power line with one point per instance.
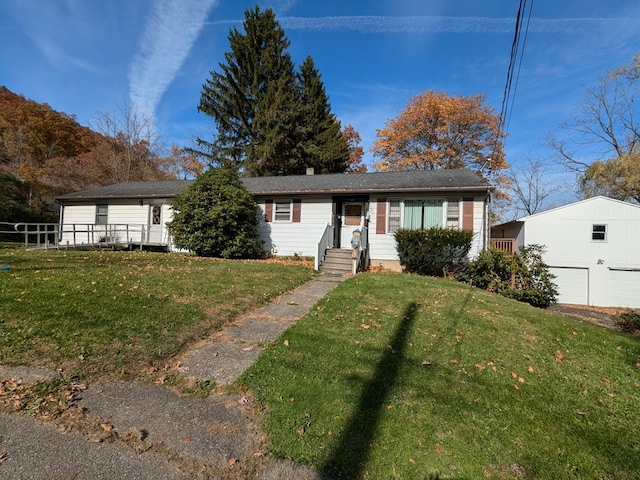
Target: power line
{"x": 516, "y": 48}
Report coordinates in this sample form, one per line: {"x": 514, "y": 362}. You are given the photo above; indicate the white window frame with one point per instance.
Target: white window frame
{"x": 400, "y": 204}
{"x": 279, "y": 210}
{"x": 102, "y": 217}
{"x": 445, "y": 212}
{"x": 600, "y": 232}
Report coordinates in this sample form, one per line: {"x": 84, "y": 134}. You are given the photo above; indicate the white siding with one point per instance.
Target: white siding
{"x": 383, "y": 246}
{"x": 566, "y": 234}
{"x": 289, "y": 238}
{"x": 81, "y": 218}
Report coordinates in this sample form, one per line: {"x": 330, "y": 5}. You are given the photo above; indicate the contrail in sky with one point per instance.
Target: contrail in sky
{"x": 444, "y": 24}
{"x": 169, "y": 33}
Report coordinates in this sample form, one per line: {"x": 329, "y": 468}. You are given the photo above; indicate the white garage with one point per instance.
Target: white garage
{"x": 591, "y": 247}
{"x": 572, "y": 283}
{"x": 624, "y": 288}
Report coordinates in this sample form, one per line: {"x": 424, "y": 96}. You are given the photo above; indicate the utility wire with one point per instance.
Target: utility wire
{"x": 524, "y": 42}
{"x": 508, "y": 97}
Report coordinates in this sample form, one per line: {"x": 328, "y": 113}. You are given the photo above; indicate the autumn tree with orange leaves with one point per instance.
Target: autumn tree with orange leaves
{"x": 437, "y": 130}
{"x": 355, "y": 163}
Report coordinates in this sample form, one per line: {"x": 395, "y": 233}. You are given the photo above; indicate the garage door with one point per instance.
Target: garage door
{"x": 573, "y": 285}
{"x": 624, "y": 288}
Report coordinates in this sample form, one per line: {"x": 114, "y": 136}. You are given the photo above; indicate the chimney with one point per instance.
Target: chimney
{"x": 310, "y": 171}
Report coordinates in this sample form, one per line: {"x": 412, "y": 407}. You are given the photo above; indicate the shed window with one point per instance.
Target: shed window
{"x": 101, "y": 214}
{"x": 599, "y": 233}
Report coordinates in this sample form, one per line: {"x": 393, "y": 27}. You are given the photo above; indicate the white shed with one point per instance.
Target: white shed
{"x": 592, "y": 247}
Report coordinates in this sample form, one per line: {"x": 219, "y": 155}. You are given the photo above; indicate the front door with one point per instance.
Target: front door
{"x": 352, "y": 218}
{"x": 155, "y": 224}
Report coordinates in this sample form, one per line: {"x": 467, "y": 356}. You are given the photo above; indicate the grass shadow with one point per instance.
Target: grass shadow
{"x": 349, "y": 457}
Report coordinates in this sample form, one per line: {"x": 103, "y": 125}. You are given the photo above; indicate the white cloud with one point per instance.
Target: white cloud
{"x": 170, "y": 31}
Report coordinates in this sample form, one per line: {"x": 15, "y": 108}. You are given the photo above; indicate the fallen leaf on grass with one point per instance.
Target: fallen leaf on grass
{"x": 479, "y": 366}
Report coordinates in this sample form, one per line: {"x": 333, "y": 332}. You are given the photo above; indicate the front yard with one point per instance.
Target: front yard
{"x": 400, "y": 376}
{"x": 90, "y": 313}
{"x": 389, "y": 376}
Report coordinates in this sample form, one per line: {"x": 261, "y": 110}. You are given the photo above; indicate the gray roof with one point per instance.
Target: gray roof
{"x": 417, "y": 181}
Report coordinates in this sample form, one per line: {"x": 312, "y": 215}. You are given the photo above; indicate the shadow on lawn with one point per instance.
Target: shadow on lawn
{"x": 350, "y": 456}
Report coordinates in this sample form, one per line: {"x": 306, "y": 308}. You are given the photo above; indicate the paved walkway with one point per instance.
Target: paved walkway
{"x": 147, "y": 431}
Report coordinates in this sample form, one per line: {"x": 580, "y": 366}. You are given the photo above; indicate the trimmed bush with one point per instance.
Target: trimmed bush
{"x": 523, "y": 276}
{"x": 433, "y": 251}
{"x": 216, "y": 217}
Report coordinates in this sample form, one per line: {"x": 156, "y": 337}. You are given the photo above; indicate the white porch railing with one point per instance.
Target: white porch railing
{"x": 55, "y": 235}
{"x": 325, "y": 242}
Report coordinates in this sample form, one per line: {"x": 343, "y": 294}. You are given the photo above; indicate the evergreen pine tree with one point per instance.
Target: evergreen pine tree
{"x": 253, "y": 101}
{"x": 324, "y": 147}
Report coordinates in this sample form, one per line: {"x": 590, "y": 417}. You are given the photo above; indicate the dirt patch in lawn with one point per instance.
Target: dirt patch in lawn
{"x": 600, "y": 316}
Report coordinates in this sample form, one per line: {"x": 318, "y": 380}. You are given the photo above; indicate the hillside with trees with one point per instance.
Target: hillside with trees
{"x": 44, "y": 153}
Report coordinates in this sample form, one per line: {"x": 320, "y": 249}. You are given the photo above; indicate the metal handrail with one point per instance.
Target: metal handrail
{"x": 325, "y": 242}
{"x": 74, "y": 235}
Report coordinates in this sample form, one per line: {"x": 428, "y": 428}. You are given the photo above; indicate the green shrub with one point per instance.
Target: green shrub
{"x": 433, "y": 251}
{"x": 628, "y": 322}
{"x": 523, "y": 276}
{"x": 216, "y": 217}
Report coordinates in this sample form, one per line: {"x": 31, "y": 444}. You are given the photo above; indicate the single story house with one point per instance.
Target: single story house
{"x": 302, "y": 215}
{"x": 592, "y": 248}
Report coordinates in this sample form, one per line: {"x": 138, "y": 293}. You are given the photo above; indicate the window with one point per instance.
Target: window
{"x": 599, "y": 233}
{"x": 453, "y": 214}
{"x": 101, "y": 214}
{"x": 156, "y": 214}
{"x": 282, "y": 211}
{"x": 422, "y": 214}
{"x": 352, "y": 214}
{"x": 414, "y": 214}
{"x": 394, "y": 216}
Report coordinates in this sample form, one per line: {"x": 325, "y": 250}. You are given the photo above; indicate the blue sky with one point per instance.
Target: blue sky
{"x": 85, "y": 56}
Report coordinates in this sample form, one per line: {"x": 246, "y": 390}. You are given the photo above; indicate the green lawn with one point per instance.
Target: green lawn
{"x": 95, "y": 312}
{"x": 399, "y": 376}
